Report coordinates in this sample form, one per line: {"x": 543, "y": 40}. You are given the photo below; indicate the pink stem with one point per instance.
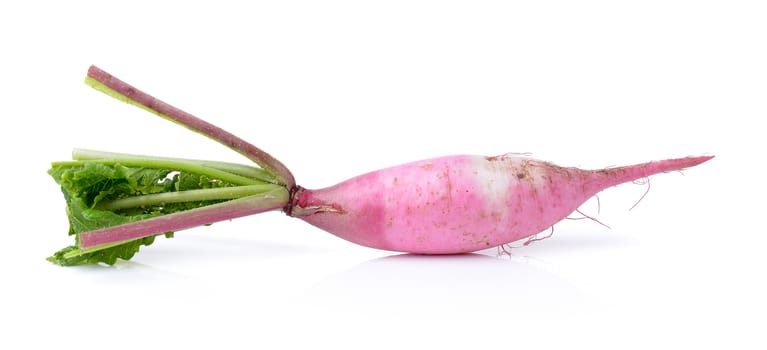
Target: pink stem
{"x": 196, "y": 124}
{"x": 183, "y": 220}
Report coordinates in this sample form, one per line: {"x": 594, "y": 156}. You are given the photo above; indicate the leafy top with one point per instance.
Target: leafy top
{"x": 118, "y": 202}
{"x": 88, "y": 184}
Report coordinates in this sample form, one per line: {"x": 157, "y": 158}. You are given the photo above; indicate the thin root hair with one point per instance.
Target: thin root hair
{"x": 642, "y": 181}
{"x": 588, "y": 217}
{"x": 535, "y": 238}
{"x": 504, "y": 250}
{"x": 599, "y": 205}
{"x": 519, "y": 154}
{"x": 584, "y": 216}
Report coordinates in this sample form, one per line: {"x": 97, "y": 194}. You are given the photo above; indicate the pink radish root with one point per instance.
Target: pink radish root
{"x": 461, "y": 204}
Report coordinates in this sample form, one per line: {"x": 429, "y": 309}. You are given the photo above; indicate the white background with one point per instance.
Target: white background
{"x": 338, "y": 88}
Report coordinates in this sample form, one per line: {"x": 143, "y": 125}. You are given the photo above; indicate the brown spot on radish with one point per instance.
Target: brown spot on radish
{"x": 448, "y": 188}
{"x": 483, "y": 240}
{"x": 495, "y": 158}
{"x": 428, "y": 166}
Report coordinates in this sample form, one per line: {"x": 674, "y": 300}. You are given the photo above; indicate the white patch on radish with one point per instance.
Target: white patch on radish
{"x": 493, "y": 181}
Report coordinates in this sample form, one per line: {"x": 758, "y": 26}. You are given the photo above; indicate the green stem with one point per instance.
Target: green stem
{"x": 185, "y": 196}
{"x": 169, "y": 164}
{"x": 234, "y": 168}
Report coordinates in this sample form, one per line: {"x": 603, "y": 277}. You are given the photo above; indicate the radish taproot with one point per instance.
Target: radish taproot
{"x": 457, "y": 204}
{"x": 460, "y": 204}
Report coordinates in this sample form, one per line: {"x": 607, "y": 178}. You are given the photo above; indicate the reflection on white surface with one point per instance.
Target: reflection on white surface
{"x": 462, "y": 283}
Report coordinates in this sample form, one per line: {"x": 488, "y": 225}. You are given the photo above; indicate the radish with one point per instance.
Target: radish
{"x": 456, "y": 204}
{"x": 460, "y": 204}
